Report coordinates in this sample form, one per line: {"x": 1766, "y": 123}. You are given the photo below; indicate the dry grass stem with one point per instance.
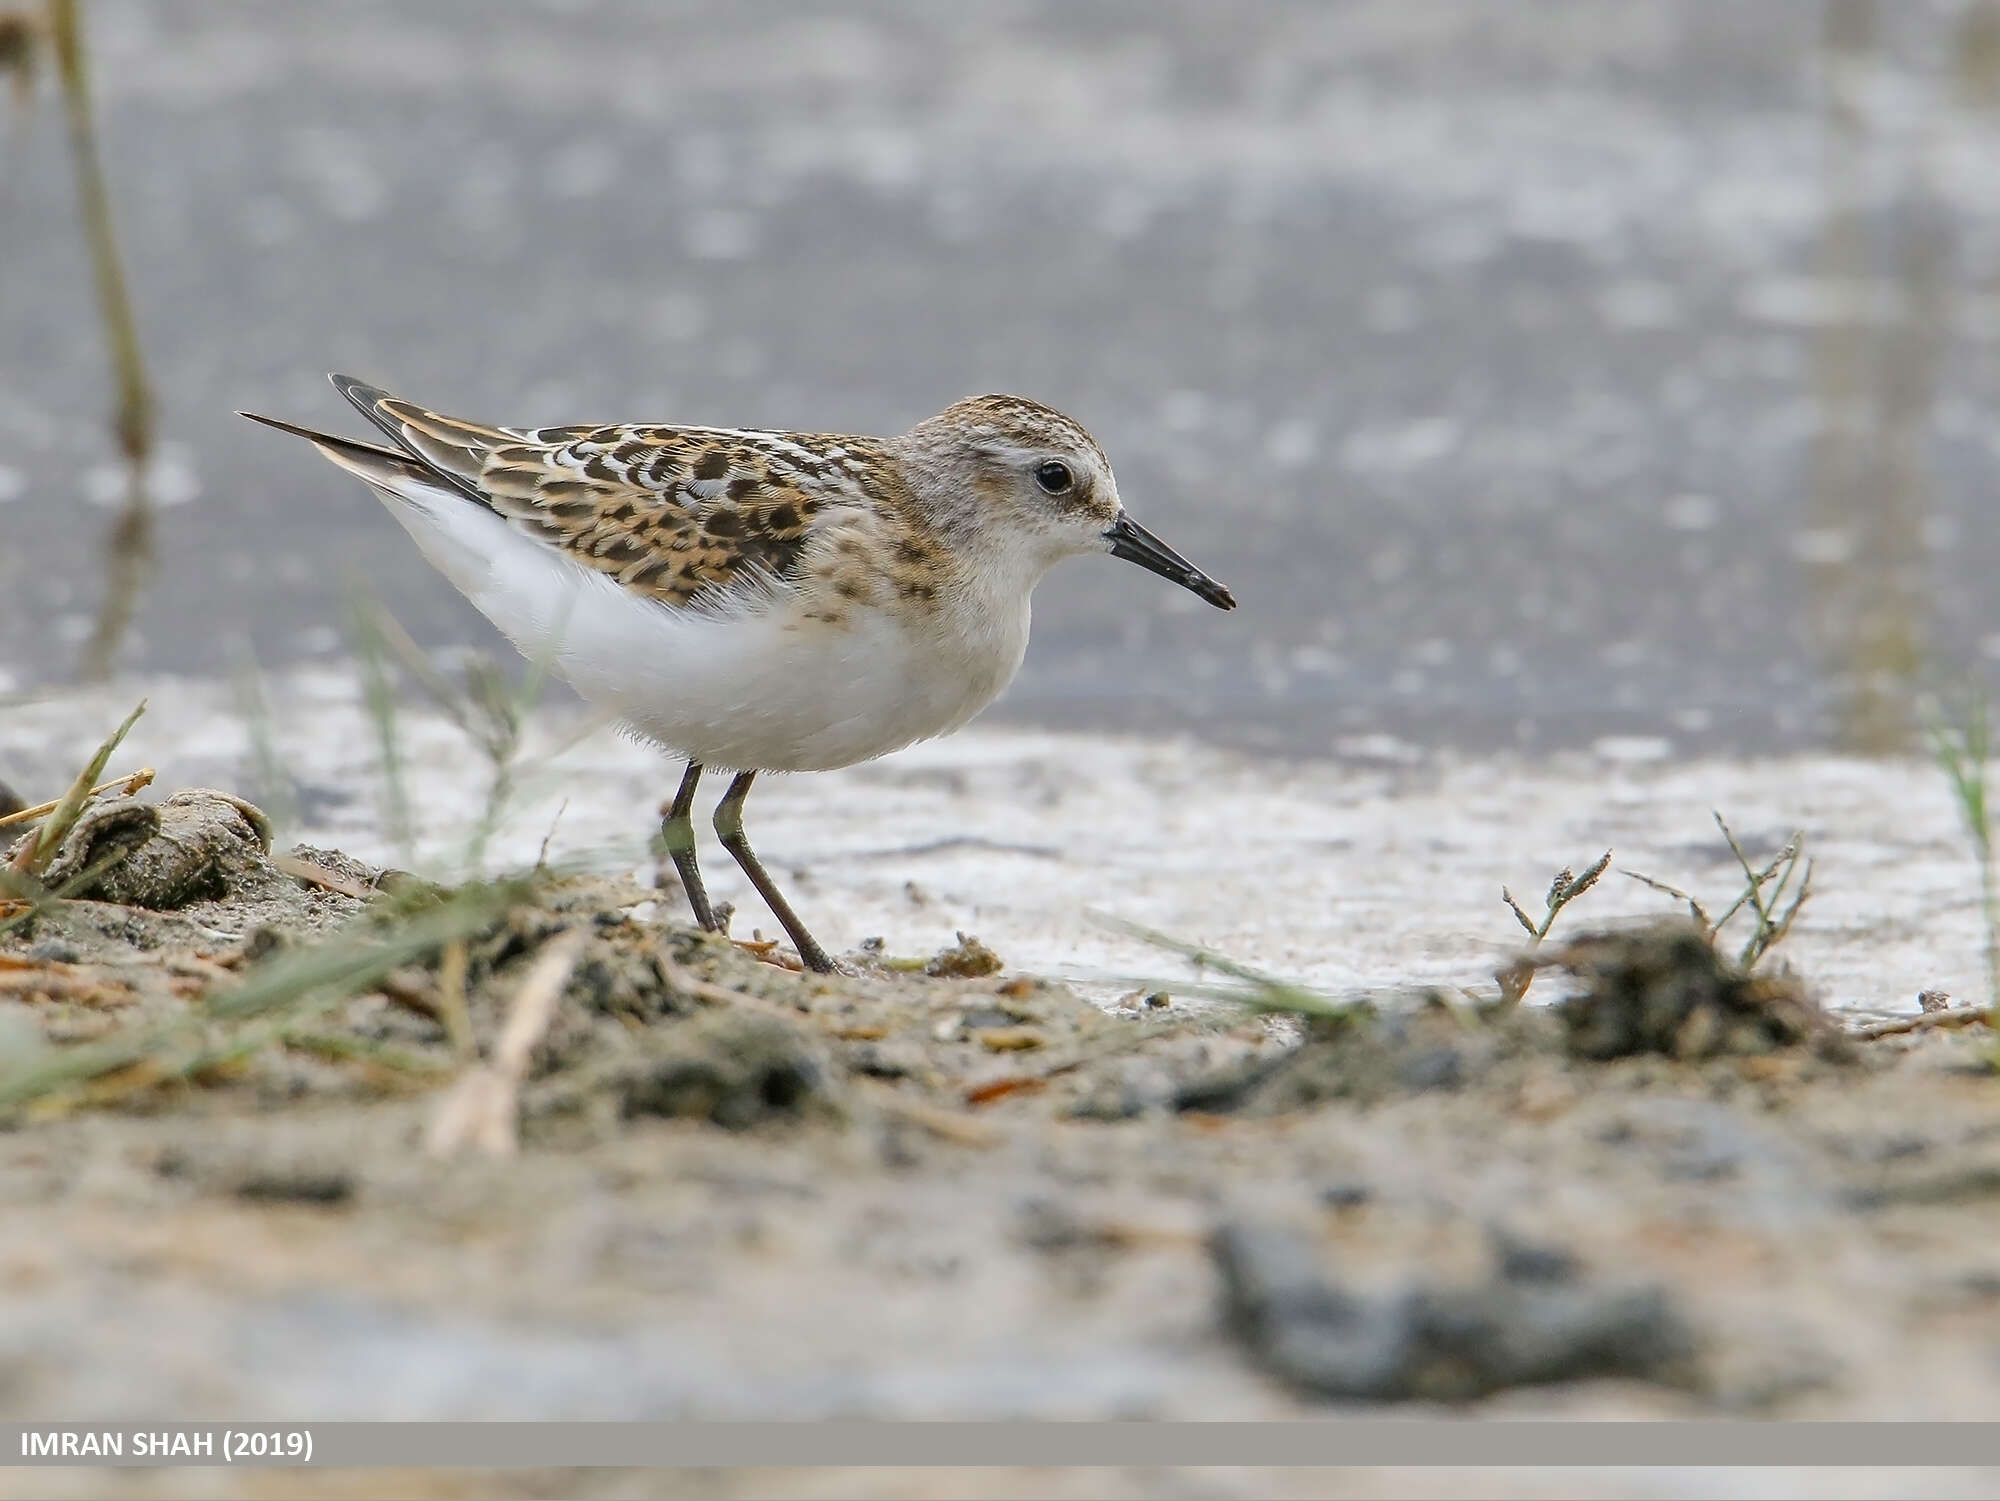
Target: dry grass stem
{"x": 277, "y": 792}
{"x": 684, "y": 981}
{"x": 480, "y": 1111}
{"x": 1515, "y": 978}
{"x": 1929, "y": 1021}
{"x": 36, "y": 853}
{"x": 1250, "y": 988}
{"x": 1961, "y": 752}
{"x": 133, "y": 421}
{"x": 286, "y": 991}
{"x": 379, "y": 696}
{"x": 339, "y": 1048}
{"x": 124, "y": 786}
{"x": 131, "y": 541}
{"x": 454, "y": 964}
{"x": 319, "y": 875}
{"x": 1764, "y": 895}
{"x": 488, "y": 709}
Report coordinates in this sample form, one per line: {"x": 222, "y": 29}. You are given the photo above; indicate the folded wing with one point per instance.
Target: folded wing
{"x": 683, "y": 515}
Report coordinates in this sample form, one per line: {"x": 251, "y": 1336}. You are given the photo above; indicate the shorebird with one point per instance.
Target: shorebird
{"x": 758, "y": 601}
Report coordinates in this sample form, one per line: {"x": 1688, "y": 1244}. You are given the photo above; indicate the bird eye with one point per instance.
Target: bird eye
{"x": 1054, "y": 477}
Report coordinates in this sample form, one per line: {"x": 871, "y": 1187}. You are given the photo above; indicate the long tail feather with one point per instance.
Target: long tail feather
{"x": 348, "y": 449}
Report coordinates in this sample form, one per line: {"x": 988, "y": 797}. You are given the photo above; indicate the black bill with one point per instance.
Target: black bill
{"x": 1135, "y": 544}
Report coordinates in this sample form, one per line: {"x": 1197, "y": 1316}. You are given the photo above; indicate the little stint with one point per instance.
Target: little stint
{"x": 758, "y": 601}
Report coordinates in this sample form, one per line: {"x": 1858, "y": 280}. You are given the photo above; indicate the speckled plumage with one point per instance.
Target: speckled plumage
{"x": 676, "y": 514}
{"x": 759, "y": 600}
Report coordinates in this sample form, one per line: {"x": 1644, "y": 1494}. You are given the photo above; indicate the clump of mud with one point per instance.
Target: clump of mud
{"x": 1533, "y": 1321}
{"x": 727, "y": 1068}
{"x": 1435, "y": 1042}
{"x": 1662, "y": 990}
{"x": 198, "y": 846}
{"x": 1666, "y": 989}
{"x": 968, "y": 959}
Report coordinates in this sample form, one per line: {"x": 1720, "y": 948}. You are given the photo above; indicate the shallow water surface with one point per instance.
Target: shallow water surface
{"x": 1535, "y": 375}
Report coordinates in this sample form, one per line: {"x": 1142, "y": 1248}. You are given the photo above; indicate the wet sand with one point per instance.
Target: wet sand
{"x": 1379, "y": 870}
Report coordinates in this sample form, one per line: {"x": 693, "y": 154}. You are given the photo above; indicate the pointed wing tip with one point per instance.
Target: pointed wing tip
{"x": 368, "y": 398}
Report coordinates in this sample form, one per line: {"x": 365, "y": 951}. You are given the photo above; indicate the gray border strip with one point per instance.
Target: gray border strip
{"x": 1362, "y": 1441}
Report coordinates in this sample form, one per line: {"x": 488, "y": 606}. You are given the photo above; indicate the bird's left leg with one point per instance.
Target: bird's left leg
{"x": 729, "y": 826}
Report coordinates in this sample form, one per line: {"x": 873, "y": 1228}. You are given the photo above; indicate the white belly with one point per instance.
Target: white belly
{"x": 748, "y": 693}
{"x": 737, "y": 691}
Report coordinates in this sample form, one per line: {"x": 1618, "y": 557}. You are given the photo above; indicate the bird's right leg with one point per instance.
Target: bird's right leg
{"x": 677, "y": 834}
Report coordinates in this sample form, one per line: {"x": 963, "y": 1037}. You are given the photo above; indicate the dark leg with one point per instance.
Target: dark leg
{"x": 677, "y": 834}
{"x": 729, "y": 824}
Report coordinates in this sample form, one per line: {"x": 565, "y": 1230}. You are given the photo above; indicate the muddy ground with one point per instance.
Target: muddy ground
{"x": 745, "y": 1191}
{"x": 990, "y": 1191}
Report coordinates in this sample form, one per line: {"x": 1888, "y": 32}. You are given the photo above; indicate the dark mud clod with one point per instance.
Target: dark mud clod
{"x": 1521, "y": 1260}
{"x": 968, "y": 959}
{"x": 1364, "y": 1056}
{"x": 1438, "y": 1344}
{"x": 197, "y": 846}
{"x": 735, "y": 1071}
{"x": 1231, "y": 1088}
{"x": 108, "y": 834}
{"x": 10, "y": 801}
{"x": 326, "y": 1187}
{"x": 257, "y": 1178}
{"x": 1348, "y": 1195}
{"x": 1666, "y": 989}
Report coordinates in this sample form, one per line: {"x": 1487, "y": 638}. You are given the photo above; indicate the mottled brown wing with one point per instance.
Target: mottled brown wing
{"x": 678, "y": 514}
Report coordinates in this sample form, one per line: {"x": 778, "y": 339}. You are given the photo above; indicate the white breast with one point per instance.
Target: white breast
{"x": 759, "y": 689}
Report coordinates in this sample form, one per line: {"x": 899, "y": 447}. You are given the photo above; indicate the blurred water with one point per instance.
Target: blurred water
{"x": 1534, "y": 374}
